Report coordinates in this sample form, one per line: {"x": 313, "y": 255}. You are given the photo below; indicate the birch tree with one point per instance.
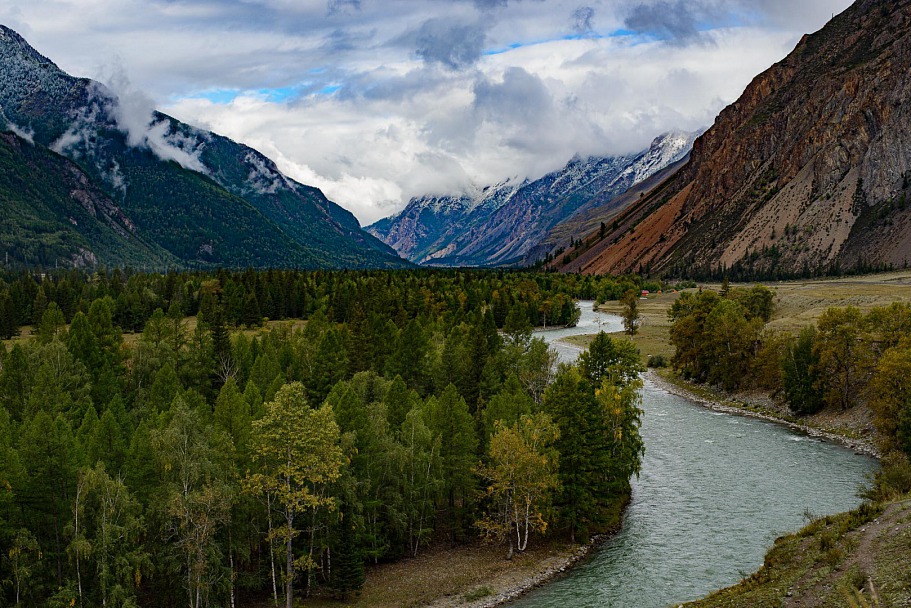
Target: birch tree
{"x": 521, "y": 476}
{"x": 298, "y": 456}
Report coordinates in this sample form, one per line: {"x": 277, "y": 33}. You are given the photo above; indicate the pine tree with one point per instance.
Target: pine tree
{"x": 449, "y": 418}
{"x": 614, "y": 359}
{"x": 570, "y": 401}
{"x": 347, "y": 562}
{"x": 232, "y": 415}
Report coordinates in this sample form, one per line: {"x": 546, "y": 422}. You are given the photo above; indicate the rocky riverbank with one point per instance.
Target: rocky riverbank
{"x": 504, "y": 591}
{"x": 862, "y": 444}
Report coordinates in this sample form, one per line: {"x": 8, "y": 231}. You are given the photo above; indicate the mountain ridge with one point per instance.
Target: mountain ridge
{"x": 513, "y": 217}
{"x": 203, "y": 198}
{"x": 805, "y": 172}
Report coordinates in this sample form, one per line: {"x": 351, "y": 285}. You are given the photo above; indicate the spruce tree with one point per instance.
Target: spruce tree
{"x": 347, "y": 562}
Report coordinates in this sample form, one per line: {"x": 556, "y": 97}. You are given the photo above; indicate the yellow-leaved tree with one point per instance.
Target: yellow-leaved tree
{"x": 521, "y": 475}
{"x": 297, "y": 456}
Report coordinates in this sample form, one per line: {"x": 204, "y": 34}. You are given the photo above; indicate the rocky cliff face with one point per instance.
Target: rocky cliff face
{"x": 504, "y": 224}
{"x": 809, "y": 169}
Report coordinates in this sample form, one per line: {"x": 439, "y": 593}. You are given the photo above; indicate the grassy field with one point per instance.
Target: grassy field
{"x": 797, "y": 304}
{"x": 800, "y": 303}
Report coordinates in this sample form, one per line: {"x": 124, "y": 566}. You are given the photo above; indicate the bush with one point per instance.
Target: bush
{"x": 657, "y": 361}
{"x": 893, "y": 479}
{"x": 477, "y": 594}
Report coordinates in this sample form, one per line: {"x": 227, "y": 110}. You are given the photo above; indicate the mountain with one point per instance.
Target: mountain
{"x": 500, "y": 225}
{"x": 191, "y": 197}
{"x": 53, "y": 213}
{"x": 427, "y": 228}
{"x": 663, "y": 157}
{"x": 809, "y": 170}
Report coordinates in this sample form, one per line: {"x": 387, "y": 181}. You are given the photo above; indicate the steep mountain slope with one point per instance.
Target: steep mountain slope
{"x": 809, "y": 169}
{"x": 502, "y": 224}
{"x": 53, "y": 214}
{"x": 428, "y": 226}
{"x": 587, "y": 221}
{"x": 203, "y": 198}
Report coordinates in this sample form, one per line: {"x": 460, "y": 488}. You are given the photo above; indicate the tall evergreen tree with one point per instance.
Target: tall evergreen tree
{"x": 449, "y": 418}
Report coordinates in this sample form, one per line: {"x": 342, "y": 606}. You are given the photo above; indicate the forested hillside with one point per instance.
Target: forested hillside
{"x": 169, "y": 194}
{"x": 216, "y": 458}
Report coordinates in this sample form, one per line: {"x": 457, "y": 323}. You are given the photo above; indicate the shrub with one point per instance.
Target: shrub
{"x": 657, "y": 361}
{"x": 477, "y": 594}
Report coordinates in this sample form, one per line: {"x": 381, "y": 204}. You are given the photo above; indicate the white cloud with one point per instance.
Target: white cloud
{"x": 375, "y": 101}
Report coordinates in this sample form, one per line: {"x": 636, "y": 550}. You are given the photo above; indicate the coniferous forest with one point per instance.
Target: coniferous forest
{"x": 212, "y": 439}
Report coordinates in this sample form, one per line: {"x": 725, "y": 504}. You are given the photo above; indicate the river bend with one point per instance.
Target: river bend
{"x": 714, "y": 492}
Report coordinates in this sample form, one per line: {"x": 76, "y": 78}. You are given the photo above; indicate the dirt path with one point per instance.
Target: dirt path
{"x": 869, "y": 540}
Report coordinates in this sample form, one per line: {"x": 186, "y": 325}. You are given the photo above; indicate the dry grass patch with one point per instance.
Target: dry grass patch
{"x": 444, "y": 578}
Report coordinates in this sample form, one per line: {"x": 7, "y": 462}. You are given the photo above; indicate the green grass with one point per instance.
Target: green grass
{"x": 479, "y": 593}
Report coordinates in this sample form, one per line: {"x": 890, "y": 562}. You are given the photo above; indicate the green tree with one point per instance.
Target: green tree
{"x": 584, "y": 451}
{"x": 631, "y": 318}
{"x": 298, "y": 456}
{"x": 758, "y": 302}
{"x": 164, "y": 389}
{"x": 610, "y": 358}
{"x": 106, "y": 443}
{"x": 844, "y": 355}
{"x": 619, "y": 404}
{"x": 420, "y": 477}
{"x": 399, "y": 400}
{"x": 448, "y": 418}
{"x": 890, "y": 391}
{"x": 15, "y": 382}
{"x": 348, "y": 563}
{"x": 107, "y": 529}
{"x": 731, "y": 344}
{"x": 536, "y": 369}
{"x": 195, "y": 506}
{"x": 331, "y": 365}
{"x": 692, "y": 353}
{"x": 410, "y": 357}
{"x": 232, "y": 415}
{"x": 47, "y": 449}
{"x": 52, "y": 324}
{"x": 800, "y": 373}
{"x": 506, "y": 407}
{"x": 83, "y": 344}
{"x": 25, "y": 559}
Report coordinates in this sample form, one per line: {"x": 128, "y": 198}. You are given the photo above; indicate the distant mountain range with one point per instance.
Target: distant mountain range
{"x": 506, "y": 224}
{"x": 86, "y": 179}
{"x": 809, "y": 171}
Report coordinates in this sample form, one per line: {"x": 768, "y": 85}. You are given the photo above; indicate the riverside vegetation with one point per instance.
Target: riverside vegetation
{"x": 217, "y": 459}
{"x": 849, "y": 363}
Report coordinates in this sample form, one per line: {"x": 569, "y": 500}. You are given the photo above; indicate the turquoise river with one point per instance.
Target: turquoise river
{"x": 714, "y": 492}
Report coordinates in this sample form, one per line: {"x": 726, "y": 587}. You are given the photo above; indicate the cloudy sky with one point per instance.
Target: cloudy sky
{"x": 376, "y": 101}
